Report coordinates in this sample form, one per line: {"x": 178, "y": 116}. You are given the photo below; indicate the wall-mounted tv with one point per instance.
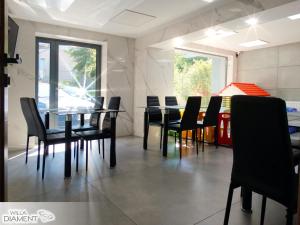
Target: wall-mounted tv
{"x": 13, "y": 29}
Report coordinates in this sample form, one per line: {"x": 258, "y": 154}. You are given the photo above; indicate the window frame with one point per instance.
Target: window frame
{"x": 54, "y": 66}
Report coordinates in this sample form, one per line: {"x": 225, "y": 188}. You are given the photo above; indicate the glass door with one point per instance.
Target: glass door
{"x": 68, "y": 75}
{"x": 76, "y": 76}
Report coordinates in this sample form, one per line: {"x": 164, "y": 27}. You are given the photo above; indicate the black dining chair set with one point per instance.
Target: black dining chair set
{"x": 83, "y": 132}
{"x": 189, "y": 120}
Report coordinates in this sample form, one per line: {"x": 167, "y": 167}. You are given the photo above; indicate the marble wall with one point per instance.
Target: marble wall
{"x": 153, "y": 76}
{"x": 276, "y": 69}
{"x": 117, "y": 78}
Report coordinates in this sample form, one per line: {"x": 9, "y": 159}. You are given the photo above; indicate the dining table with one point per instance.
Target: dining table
{"x": 68, "y": 114}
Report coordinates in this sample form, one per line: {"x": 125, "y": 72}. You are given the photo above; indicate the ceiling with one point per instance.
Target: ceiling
{"x": 278, "y": 32}
{"x": 273, "y": 26}
{"x": 117, "y": 17}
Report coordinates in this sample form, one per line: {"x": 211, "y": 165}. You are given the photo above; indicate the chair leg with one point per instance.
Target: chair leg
{"x": 38, "y": 156}
{"x": 99, "y": 146}
{"x": 53, "y": 149}
{"x": 161, "y": 134}
{"x": 175, "y": 139}
{"x": 263, "y": 210}
{"x": 203, "y": 130}
{"x": 77, "y": 155}
{"x": 186, "y": 138}
{"x": 180, "y": 144}
{"x": 197, "y": 142}
{"x": 75, "y": 146}
{"x": 44, "y": 160}
{"x": 86, "y": 154}
{"x": 27, "y": 146}
{"x": 103, "y": 148}
{"x": 228, "y": 205}
{"x": 289, "y": 217}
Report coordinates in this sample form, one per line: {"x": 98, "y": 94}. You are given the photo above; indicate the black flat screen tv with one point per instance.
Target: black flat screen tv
{"x": 13, "y": 29}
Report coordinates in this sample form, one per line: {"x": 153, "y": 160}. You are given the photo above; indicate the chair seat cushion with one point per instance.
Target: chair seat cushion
{"x": 94, "y": 134}
{"x": 156, "y": 123}
{"x": 54, "y": 131}
{"x": 174, "y": 121}
{"x": 200, "y": 123}
{"x": 83, "y": 128}
{"x": 295, "y": 139}
{"x": 174, "y": 126}
{"x": 59, "y": 138}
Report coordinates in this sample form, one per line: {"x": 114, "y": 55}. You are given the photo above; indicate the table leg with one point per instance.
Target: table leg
{"x": 68, "y": 155}
{"x": 113, "y": 116}
{"x": 47, "y": 118}
{"x": 246, "y": 200}
{"x": 146, "y": 129}
{"x": 165, "y": 137}
{"x": 81, "y": 124}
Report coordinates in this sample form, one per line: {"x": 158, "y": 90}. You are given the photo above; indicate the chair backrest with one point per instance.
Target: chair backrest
{"x": 25, "y": 106}
{"x": 212, "y": 112}
{"x": 99, "y": 100}
{"x": 94, "y": 119}
{"x": 191, "y": 111}
{"x": 174, "y": 114}
{"x": 34, "y": 120}
{"x": 262, "y": 154}
{"x": 155, "y": 114}
{"x": 114, "y": 103}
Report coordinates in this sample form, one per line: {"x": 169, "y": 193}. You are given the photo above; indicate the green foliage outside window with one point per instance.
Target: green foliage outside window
{"x": 84, "y": 64}
{"x": 192, "y": 76}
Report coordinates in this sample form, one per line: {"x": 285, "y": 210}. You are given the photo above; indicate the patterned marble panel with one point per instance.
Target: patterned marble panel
{"x": 153, "y": 76}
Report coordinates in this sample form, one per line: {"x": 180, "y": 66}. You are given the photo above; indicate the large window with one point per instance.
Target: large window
{"x": 68, "y": 74}
{"x": 198, "y": 74}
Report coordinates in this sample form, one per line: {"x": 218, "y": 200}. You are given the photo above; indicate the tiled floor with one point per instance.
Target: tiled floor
{"x": 144, "y": 188}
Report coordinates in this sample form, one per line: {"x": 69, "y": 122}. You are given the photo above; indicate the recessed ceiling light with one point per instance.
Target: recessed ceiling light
{"x": 252, "y": 21}
{"x": 178, "y": 41}
{"x": 214, "y": 33}
{"x": 208, "y": 1}
{"x": 294, "y": 17}
{"x": 253, "y": 43}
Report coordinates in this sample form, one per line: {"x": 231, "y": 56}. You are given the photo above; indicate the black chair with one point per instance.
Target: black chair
{"x": 262, "y": 155}
{"x": 94, "y": 119}
{"x": 103, "y": 133}
{"x": 174, "y": 114}
{"x": 48, "y": 139}
{"x": 211, "y": 118}
{"x": 189, "y": 119}
{"x": 28, "y": 115}
{"x": 155, "y": 115}
{"x": 99, "y": 101}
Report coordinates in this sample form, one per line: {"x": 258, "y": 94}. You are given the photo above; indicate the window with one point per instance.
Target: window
{"x": 198, "y": 74}
{"x": 68, "y": 74}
